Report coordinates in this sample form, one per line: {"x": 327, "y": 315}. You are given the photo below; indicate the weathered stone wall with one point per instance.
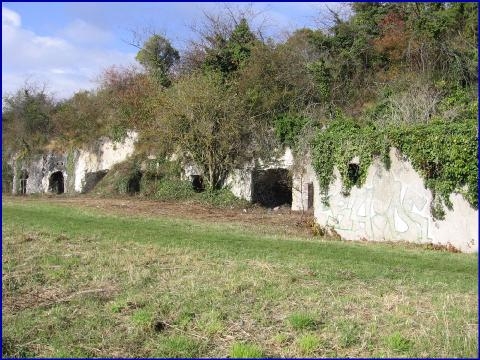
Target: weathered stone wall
{"x": 240, "y": 183}
{"x": 39, "y": 169}
{"x": 76, "y": 166}
{"x": 394, "y": 205}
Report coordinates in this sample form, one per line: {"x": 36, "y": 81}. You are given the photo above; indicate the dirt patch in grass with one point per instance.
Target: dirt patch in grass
{"x": 280, "y": 221}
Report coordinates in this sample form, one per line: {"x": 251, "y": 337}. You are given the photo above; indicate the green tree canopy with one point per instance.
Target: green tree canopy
{"x": 157, "y": 56}
{"x": 230, "y": 52}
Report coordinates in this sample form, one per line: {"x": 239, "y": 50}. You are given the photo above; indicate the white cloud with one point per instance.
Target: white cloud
{"x": 10, "y": 18}
{"x": 66, "y": 63}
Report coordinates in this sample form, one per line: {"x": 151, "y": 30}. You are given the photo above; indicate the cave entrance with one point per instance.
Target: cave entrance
{"x": 133, "y": 185}
{"x": 197, "y": 183}
{"x": 23, "y": 182}
{"x": 272, "y": 187}
{"x": 56, "y": 184}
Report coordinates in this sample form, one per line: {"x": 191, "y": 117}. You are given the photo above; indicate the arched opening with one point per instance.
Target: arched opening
{"x": 23, "y": 181}
{"x": 56, "y": 184}
{"x": 272, "y": 187}
{"x": 133, "y": 185}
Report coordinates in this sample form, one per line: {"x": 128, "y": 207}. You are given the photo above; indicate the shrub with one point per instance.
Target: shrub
{"x": 174, "y": 190}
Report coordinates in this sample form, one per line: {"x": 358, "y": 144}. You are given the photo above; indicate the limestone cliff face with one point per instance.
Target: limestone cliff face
{"x": 99, "y": 158}
{"x": 74, "y": 171}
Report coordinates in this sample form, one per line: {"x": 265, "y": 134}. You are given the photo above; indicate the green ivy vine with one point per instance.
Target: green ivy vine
{"x": 338, "y": 145}
{"x": 443, "y": 153}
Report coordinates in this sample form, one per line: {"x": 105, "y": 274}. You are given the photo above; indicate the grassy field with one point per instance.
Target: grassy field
{"x": 81, "y": 283}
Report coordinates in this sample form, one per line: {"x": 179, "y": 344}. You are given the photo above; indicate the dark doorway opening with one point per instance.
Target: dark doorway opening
{"x": 133, "y": 185}
{"x": 197, "y": 183}
{"x": 23, "y": 182}
{"x": 92, "y": 179}
{"x": 310, "y": 195}
{"x": 56, "y": 184}
{"x": 272, "y": 187}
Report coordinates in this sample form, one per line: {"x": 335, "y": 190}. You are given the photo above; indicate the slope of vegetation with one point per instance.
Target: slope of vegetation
{"x": 394, "y": 72}
{"x": 79, "y": 283}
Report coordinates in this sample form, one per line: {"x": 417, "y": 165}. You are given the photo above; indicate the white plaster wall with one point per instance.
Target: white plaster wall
{"x": 460, "y": 227}
{"x": 394, "y": 205}
{"x": 104, "y": 157}
{"x": 37, "y": 178}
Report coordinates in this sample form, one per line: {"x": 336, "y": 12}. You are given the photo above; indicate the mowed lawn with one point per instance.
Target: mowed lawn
{"x": 79, "y": 283}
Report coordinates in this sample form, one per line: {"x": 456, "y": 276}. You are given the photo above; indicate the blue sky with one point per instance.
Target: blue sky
{"x": 67, "y": 45}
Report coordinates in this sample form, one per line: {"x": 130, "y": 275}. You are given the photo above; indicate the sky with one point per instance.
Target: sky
{"x": 66, "y": 46}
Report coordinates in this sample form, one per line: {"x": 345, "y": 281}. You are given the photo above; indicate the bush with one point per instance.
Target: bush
{"x": 221, "y": 198}
{"x": 168, "y": 189}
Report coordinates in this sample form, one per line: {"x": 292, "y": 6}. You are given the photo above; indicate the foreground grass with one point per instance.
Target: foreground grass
{"x": 77, "y": 283}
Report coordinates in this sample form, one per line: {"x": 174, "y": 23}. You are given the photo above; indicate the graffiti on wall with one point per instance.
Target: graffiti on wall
{"x": 383, "y": 209}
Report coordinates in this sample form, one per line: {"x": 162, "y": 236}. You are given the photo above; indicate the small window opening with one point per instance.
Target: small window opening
{"x": 353, "y": 172}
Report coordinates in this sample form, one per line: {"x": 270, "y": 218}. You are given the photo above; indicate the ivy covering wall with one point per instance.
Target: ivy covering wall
{"x": 443, "y": 153}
